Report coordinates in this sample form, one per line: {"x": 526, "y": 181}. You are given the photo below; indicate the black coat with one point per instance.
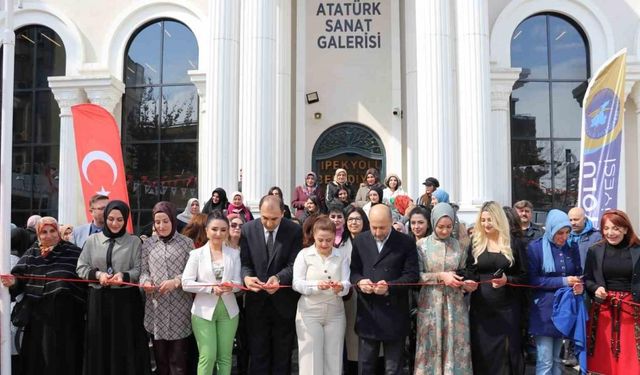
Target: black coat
{"x": 384, "y": 317}
{"x": 253, "y": 255}
{"x": 594, "y": 277}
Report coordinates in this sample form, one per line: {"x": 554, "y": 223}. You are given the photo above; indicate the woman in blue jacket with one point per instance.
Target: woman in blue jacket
{"x": 553, "y": 264}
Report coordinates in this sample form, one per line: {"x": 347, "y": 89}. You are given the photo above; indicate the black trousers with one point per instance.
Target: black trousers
{"x": 369, "y": 350}
{"x": 271, "y": 338}
{"x": 171, "y": 356}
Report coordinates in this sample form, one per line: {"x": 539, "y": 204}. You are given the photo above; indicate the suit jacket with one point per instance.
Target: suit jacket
{"x": 384, "y": 317}
{"x": 255, "y": 263}
{"x": 594, "y": 277}
{"x": 198, "y": 277}
{"x": 80, "y": 234}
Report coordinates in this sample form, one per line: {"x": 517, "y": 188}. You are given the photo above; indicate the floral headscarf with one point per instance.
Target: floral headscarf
{"x": 46, "y": 245}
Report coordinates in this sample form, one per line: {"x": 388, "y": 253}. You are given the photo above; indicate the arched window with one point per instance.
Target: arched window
{"x": 553, "y": 53}
{"x": 160, "y": 118}
{"x": 39, "y": 53}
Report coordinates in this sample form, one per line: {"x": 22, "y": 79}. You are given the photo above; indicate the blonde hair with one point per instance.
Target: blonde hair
{"x": 500, "y": 222}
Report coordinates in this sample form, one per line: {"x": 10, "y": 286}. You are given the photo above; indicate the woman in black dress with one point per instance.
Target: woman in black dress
{"x": 53, "y": 309}
{"x": 494, "y": 316}
{"x": 117, "y": 342}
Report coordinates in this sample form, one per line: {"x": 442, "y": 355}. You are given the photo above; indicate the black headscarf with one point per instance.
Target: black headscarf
{"x": 20, "y": 241}
{"x": 209, "y": 207}
{"x": 124, "y": 210}
{"x": 170, "y": 210}
{"x": 378, "y": 189}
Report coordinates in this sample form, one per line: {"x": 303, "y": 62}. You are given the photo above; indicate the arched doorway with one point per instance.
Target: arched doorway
{"x": 351, "y": 146}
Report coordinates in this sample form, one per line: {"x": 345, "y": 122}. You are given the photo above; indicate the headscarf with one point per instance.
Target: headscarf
{"x": 124, "y": 210}
{"x": 185, "y": 216}
{"x": 378, "y": 189}
{"x": 170, "y": 210}
{"x": 386, "y": 180}
{"x": 556, "y": 220}
{"x": 575, "y": 237}
{"x": 335, "y": 176}
{"x": 220, "y": 206}
{"x": 441, "y": 195}
{"x": 63, "y": 228}
{"x": 439, "y": 211}
{"x": 32, "y": 221}
{"x": 20, "y": 241}
{"x": 47, "y": 245}
{"x": 312, "y": 189}
{"x": 375, "y": 174}
{"x": 242, "y": 209}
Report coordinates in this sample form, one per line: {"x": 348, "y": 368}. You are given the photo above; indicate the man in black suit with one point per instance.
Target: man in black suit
{"x": 268, "y": 248}
{"x": 381, "y": 256}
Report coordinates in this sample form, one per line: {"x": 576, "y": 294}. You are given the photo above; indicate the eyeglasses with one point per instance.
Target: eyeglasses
{"x": 235, "y": 225}
{"x": 354, "y": 219}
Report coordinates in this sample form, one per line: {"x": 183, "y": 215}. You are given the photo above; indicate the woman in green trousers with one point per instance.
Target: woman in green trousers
{"x": 213, "y": 274}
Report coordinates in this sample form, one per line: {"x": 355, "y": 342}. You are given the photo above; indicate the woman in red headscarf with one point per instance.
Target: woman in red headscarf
{"x": 51, "y": 311}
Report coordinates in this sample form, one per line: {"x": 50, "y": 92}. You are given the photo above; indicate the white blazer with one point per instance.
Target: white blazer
{"x": 199, "y": 272}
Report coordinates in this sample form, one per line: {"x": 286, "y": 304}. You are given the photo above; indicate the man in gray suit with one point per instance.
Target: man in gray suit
{"x": 97, "y": 203}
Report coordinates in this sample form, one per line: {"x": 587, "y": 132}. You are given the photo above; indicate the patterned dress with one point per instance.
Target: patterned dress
{"x": 443, "y": 321}
{"x": 167, "y": 316}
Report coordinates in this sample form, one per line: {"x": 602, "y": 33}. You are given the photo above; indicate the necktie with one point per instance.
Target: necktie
{"x": 270, "y": 244}
{"x": 112, "y": 242}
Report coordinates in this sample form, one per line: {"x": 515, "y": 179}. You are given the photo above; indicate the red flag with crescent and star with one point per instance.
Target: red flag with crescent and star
{"x": 99, "y": 154}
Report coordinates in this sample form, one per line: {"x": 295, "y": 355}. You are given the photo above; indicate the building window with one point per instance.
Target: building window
{"x": 39, "y": 54}
{"x": 160, "y": 119}
{"x": 546, "y": 102}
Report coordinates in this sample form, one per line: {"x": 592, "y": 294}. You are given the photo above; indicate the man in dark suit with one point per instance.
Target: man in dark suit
{"x": 380, "y": 257}
{"x": 268, "y": 248}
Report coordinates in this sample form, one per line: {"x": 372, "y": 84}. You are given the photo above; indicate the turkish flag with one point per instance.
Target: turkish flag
{"x": 99, "y": 154}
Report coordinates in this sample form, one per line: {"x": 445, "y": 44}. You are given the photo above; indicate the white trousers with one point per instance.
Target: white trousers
{"x": 320, "y": 328}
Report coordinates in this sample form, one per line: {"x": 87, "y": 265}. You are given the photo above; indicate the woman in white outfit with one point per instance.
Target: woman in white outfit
{"x": 321, "y": 275}
{"x": 213, "y": 274}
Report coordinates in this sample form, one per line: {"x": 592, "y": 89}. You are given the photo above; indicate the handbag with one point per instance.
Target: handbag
{"x": 21, "y": 312}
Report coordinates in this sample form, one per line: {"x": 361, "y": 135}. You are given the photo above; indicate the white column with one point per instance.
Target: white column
{"x": 218, "y": 147}
{"x": 499, "y": 134}
{"x": 430, "y": 95}
{"x": 473, "y": 97}
{"x": 631, "y": 163}
{"x": 199, "y": 80}
{"x": 300, "y": 152}
{"x": 71, "y": 208}
{"x": 257, "y": 117}
{"x": 105, "y": 91}
{"x": 284, "y": 172}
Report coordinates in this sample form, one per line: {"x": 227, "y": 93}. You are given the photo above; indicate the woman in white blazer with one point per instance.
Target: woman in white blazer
{"x": 213, "y": 274}
{"x": 321, "y": 274}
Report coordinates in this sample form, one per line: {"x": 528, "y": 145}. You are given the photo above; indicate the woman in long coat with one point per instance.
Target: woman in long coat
{"x": 443, "y": 344}
{"x": 116, "y": 340}
{"x": 167, "y": 313}
{"x": 53, "y": 309}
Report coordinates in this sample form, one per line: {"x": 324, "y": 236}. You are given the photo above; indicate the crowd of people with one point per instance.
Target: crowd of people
{"x": 361, "y": 280}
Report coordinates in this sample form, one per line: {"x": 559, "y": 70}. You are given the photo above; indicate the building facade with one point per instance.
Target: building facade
{"x": 246, "y": 94}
